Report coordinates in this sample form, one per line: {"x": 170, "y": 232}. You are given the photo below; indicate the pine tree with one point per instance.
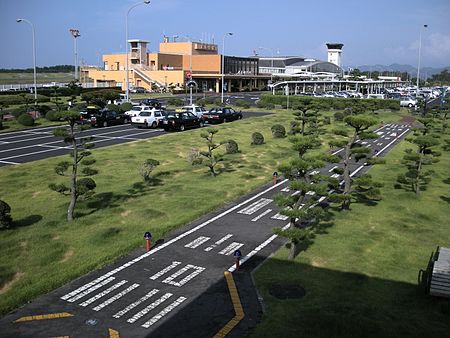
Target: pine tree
{"x": 212, "y": 159}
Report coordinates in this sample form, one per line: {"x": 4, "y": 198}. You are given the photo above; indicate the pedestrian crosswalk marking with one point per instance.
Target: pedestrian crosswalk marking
{"x": 170, "y": 279}
{"x": 104, "y": 293}
{"x": 136, "y": 303}
{"x": 231, "y": 248}
{"x": 116, "y": 297}
{"x": 280, "y": 217}
{"x": 165, "y": 270}
{"x": 91, "y": 289}
{"x": 220, "y": 241}
{"x": 197, "y": 242}
{"x": 149, "y": 308}
{"x": 261, "y": 215}
{"x": 252, "y": 208}
{"x": 82, "y": 288}
{"x": 164, "y": 312}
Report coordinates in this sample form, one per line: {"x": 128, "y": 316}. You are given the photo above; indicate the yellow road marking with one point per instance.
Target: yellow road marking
{"x": 236, "y": 304}
{"x": 42, "y": 317}
{"x": 113, "y": 333}
{"x": 61, "y": 337}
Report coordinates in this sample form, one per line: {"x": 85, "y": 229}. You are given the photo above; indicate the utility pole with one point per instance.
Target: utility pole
{"x": 75, "y": 33}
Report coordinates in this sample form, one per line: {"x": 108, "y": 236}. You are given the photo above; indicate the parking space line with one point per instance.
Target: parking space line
{"x": 8, "y": 162}
{"x": 279, "y": 216}
{"x": 136, "y": 303}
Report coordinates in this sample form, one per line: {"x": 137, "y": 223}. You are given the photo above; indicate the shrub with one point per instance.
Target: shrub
{"x": 52, "y": 115}
{"x": 5, "y": 217}
{"x": 174, "y": 101}
{"x": 19, "y": 111}
{"x": 125, "y": 107}
{"x": 231, "y": 147}
{"x": 338, "y": 116}
{"x": 44, "y": 109}
{"x": 278, "y": 131}
{"x": 194, "y": 157}
{"x": 257, "y": 138}
{"x": 242, "y": 103}
{"x": 26, "y": 120}
{"x": 113, "y": 107}
{"x": 146, "y": 169}
{"x": 326, "y": 120}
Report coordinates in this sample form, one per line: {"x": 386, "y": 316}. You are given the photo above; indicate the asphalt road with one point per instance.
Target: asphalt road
{"x": 177, "y": 289}
{"x": 39, "y": 143}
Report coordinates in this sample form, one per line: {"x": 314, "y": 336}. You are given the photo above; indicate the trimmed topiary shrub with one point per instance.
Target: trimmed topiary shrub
{"x": 5, "y": 217}
{"x": 194, "y": 157}
{"x": 52, "y": 115}
{"x": 257, "y": 138}
{"x": 326, "y": 120}
{"x": 125, "y": 107}
{"x": 25, "y": 120}
{"x": 278, "y": 131}
{"x": 338, "y": 116}
{"x": 16, "y": 112}
{"x": 231, "y": 147}
{"x": 44, "y": 109}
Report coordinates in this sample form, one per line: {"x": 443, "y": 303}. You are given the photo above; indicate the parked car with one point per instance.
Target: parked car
{"x": 151, "y": 103}
{"x": 222, "y": 114}
{"x": 407, "y": 102}
{"x": 137, "y": 90}
{"x": 181, "y": 121}
{"x": 87, "y": 113}
{"x": 151, "y": 118}
{"x": 196, "y": 110}
{"x": 107, "y": 118}
{"x": 136, "y": 110}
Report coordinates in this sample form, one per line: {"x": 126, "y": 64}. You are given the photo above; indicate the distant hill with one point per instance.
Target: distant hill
{"x": 425, "y": 72}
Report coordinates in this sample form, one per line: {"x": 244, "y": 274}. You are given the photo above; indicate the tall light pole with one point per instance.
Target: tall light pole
{"x": 418, "y": 65}
{"x": 223, "y": 60}
{"x": 146, "y": 2}
{"x": 34, "y": 56}
{"x": 271, "y": 63}
{"x": 75, "y": 33}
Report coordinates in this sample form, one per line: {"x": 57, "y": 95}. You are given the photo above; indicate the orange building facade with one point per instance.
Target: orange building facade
{"x": 174, "y": 64}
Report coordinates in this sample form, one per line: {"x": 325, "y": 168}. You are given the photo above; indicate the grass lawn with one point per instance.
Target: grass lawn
{"x": 44, "y": 251}
{"x": 26, "y": 78}
{"x": 14, "y": 125}
{"x": 360, "y": 275}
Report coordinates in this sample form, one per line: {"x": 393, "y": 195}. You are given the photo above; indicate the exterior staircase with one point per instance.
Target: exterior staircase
{"x": 147, "y": 78}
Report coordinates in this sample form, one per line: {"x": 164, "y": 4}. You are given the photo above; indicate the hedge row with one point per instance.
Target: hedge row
{"x": 269, "y": 101}
{"x": 9, "y": 100}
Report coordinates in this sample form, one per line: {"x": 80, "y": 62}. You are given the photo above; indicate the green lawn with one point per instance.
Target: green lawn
{"x": 14, "y": 125}
{"x": 360, "y": 275}
{"x": 44, "y": 251}
{"x": 26, "y": 78}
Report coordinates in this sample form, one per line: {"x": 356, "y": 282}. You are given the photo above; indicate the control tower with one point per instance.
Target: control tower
{"x": 334, "y": 53}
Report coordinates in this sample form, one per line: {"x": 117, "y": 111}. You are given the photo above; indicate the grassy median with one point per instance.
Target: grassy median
{"x": 360, "y": 275}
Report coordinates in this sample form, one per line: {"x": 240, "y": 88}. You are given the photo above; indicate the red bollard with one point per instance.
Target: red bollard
{"x": 238, "y": 259}
{"x": 148, "y": 244}
{"x": 275, "y": 178}
{"x": 237, "y": 255}
{"x": 147, "y": 237}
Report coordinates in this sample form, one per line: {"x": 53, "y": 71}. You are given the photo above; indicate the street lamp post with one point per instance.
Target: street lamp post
{"x": 223, "y": 61}
{"x": 34, "y": 56}
{"x": 75, "y": 33}
{"x": 146, "y": 2}
{"x": 418, "y": 65}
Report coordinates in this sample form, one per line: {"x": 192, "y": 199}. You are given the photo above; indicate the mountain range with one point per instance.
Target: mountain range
{"x": 425, "y": 72}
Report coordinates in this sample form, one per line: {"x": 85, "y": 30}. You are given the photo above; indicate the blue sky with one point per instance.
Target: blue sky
{"x": 373, "y": 32}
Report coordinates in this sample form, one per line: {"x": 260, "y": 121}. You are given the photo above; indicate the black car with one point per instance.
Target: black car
{"x": 222, "y": 114}
{"x": 151, "y": 103}
{"x": 181, "y": 121}
{"x": 107, "y": 118}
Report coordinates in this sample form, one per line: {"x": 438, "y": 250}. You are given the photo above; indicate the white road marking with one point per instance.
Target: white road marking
{"x": 165, "y": 270}
{"x": 220, "y": 241}
{"x": 279, "y": 216}
{"x": 198, "y": 270}
{"x": 197, "y": 242}
{"x": 91, "y": 289}
{"x": 136, "y": 303}
{"x": 230, "y": 248}
{"x": 383, "y": 149}
{"x": 295, "y": 193}
{"x": 335, "y": 175}
{"x": 311, "y": 193}
{"x": 252, "y": 208}
{"x": 286, "y": 189}
{"x": 103, "y": 293}
{"x": 335, "y": 167}
{"x": 116, "y": 297}
{"x": 8, "y": 162}
{"x": 82, "y": 288}
{"x": 315, "y": 172}
{"x": 164, "y": 312}
{"x": 187, "y": 233}
{"x": 261, "y": 215}
{"x": 149, "y": 308}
